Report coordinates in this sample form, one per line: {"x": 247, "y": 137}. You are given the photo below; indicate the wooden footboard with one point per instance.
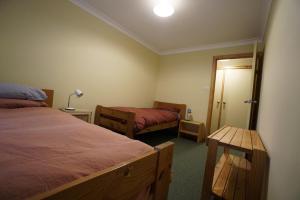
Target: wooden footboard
{"x": 123, "y": 122}
{"x": 116, "y": 120}
{"x": 124, "y": 181}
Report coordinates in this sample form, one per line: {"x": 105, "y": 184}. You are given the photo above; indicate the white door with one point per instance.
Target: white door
{"x": 237, "y": 86}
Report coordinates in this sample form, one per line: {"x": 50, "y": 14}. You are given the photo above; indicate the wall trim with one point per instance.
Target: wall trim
{"x": 103, "y": 17}
{"x": 212, "y": 46}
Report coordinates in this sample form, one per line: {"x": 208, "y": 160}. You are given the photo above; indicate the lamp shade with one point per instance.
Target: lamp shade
{"x": 78, "y": 93}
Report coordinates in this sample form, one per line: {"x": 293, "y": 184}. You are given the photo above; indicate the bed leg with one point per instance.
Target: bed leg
{"x": 97, "y": 115}
{"x": 163, "y": 173}
{"x": 130, "y": 125}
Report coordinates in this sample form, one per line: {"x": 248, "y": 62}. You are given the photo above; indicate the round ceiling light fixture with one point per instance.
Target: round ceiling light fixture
{"x": 163, "y": 9}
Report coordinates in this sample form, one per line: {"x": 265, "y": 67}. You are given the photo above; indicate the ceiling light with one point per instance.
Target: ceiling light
{"x": 163, "y": 9}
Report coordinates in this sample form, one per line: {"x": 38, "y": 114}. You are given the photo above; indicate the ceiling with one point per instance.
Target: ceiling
{"x": 195, "y": 25}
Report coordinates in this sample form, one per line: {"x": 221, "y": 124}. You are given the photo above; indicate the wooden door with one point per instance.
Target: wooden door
{"x": 256, "y": 91}
{"x": 215, "y": 122}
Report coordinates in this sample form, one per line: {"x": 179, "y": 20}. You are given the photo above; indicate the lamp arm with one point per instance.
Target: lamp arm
{"x": 70, "y": 99}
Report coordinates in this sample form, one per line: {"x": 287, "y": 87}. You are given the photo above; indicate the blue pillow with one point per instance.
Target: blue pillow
{"x": 14, "y": 91}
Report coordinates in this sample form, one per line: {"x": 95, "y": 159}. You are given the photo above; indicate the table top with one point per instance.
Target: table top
{"x": 238, "y": 138}
{"x": 191, "y": 122}
{"x": 76, "y": 111}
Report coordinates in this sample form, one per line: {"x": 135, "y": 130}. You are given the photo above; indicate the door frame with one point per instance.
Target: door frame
{"x": 213, "y": 82}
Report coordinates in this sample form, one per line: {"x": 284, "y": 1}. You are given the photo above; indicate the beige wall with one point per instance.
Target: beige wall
{"x": 185, "y": 78}
{"x": 279, "y": 111}
{"x": 54, "y": 44}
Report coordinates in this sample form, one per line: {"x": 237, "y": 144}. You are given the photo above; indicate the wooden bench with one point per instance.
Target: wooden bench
{"x": 235, "y": 177}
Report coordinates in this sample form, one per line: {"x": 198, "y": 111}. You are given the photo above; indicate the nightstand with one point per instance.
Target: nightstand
{"x": 192, "y": 128}
{"x": 82, "y": 114}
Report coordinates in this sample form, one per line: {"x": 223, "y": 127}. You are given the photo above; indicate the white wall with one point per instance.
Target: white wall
{"x": 279, "y": 113}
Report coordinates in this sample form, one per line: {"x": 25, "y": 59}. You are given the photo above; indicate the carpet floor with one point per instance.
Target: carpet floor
{"x": 188, "y": 164}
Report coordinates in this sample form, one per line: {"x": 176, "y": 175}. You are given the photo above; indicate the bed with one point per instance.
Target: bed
{"x": 49, "y": 154}
{"x": 136, "y": 121}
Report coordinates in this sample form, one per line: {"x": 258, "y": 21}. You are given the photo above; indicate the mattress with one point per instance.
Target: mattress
{"x": 43, "y": 148}
{"x": 146, "y": 117}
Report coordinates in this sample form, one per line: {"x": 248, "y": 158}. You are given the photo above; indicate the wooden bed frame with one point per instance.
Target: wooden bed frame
{"x": 124, "y": 181}
{"x": 123, "y": 122}
{"x": 50, "y": 94}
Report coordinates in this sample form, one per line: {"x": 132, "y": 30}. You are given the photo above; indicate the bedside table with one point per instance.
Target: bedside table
{"x": 192, "y": 128}
{"x": 82, "y": 114}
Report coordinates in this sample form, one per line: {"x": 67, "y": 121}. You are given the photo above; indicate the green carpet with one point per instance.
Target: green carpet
{"x": 188, "y": 164}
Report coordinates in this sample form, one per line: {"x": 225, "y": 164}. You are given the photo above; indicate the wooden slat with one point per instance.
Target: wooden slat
{"x": 230, "y": 177}
{"x": 231, "y": 181}
{"x": 115, "y": 113}
{"x": 219, "y": 186}
{"x": 256, "y": 141}
{"x": 237, "y": 140}
{"x": 113, "y": 125}
{"x": 217, "y": 131}
{"x": 247, "y": 142}
{"x": 218, "y": 136}
{"x": 240, "y": 189}
{"x": 228, "y": 137}
{"x": 219, "y": 167}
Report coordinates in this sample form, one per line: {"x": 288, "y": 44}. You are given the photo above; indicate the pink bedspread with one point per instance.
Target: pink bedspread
{"x": 43, "y": 148}
{"x": 146, "y": 117}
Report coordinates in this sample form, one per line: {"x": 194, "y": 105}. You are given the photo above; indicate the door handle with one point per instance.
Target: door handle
{"x": 250, "y": 101}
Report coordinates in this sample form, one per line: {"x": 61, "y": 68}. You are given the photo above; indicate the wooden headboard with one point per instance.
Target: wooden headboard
{"x": 180, "y": 107}
{"x": 50, "y": 94}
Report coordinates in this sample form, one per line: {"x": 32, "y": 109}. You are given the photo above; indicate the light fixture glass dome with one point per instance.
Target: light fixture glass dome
{"x": 163, "y": 9}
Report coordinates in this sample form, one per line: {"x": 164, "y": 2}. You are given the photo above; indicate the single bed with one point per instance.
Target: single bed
{"x": 49, "y": 154}
{"x": 135, "y": 121}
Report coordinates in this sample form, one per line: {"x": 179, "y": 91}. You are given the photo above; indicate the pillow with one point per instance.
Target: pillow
{"x": 20, "y": 103}
{"x": 14, "y": 91}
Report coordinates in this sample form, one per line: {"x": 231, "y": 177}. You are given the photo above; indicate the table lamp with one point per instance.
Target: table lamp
{"x": 78, "y": 93}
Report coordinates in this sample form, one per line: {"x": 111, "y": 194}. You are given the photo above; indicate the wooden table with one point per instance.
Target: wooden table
{"x": 82, "y": 114}
{"x": 235, "y": 177}
{"x": 192, "y": 128}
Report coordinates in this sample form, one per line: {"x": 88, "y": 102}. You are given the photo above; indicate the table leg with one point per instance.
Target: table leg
{"x": 209, "y": 169}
